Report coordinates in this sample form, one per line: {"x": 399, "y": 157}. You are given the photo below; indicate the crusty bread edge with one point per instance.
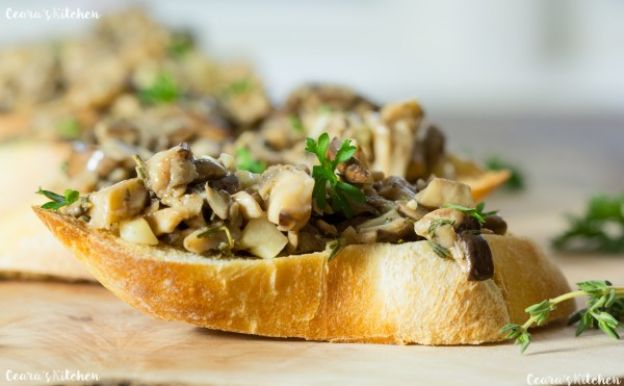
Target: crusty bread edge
{"x": 368, "y": 293}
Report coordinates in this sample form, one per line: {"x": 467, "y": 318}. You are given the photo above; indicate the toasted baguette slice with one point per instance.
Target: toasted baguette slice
{"x": 367, "y": 293}
{"x": 485, "y": 183}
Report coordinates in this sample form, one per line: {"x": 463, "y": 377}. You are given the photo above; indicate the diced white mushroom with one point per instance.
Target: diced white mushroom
{"x": 262, "y": 238}
{"x": 137, "y": 231}
{"x": 218, "y": 202}
{"x": 118, "y": 202}
{"x": 441, "y": 191}
{"x": 167, "y": 219}
{"x": 248, "y": 205}
{"x": 205, "y": 239}
{"x": 288, "y": 191}
{"x": 170, "y": 171}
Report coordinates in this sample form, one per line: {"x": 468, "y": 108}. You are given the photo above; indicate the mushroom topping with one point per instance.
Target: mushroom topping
{"x": 288, "y": 192}
{"x": 118, "y": 202}
{"x": 137, "y": 231}
{"x": 438, "y": 224}
{"x": 433, "y": 147}
{"x": 166, "y": 220}
{"x": 480, "y": 265}
{"x": 441, "y": 191}
{"x": 218, "y": 202}
{"x": 249, "y": 207}
{"x": 496, "y": 224}
{"x": 390, "y": 226}
{"x": 208, "y": 168}
{"x": 208, "y": 239}
{"x": 262, "y": 238}
{"x": 395, "y": 188}
{"x": 170, "y": 171}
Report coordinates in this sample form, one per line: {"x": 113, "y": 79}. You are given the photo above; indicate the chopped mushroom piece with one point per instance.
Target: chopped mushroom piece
{"x": 218, "y": 202}
{"x": 262, "y": 239}
{"x": 170, "y": 171}
{"x": 118, "y": 202}
{"x": 479, "y": 263}
{"x": 441, "y": 191}
{"x": 248, "y": 205}
{"x": 288, "y": 191}
{"x": 207, "y": 239}
{"x": 167, "y": 219}
{"x": 137, "y": 231}
{"x": 209, "y": 168}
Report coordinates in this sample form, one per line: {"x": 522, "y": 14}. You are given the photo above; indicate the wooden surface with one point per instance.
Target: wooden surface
{"x": 81, "y": 327}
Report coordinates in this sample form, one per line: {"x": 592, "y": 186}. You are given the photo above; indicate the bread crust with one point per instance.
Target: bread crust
{"x": 390, "y": 293}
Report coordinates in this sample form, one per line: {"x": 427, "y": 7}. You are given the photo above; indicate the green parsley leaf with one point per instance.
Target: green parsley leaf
{"x": 182, "y": 42}
{"x": 296, "y": 124}
{"x": 162, "y": 90}
{"x": 68, "y": 129}
{"x": 58, "y": 201}
{"x": 476, "y": 212}
{"x": 240, "y": 86}
{"x": 246, "y": 161}
{"x": 327, "y": 183}
{"x": 439, "y": 249}
{"x": 517, "y": 180}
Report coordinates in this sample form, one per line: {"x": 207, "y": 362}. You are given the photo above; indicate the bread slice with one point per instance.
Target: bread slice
{"x": 391, "y": 293}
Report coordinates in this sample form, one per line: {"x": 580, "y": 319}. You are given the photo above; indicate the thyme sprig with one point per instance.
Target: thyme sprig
{"x": 476, "y": 212}
{"x": 605, "y": 310}
{"x": 58, "y": 201}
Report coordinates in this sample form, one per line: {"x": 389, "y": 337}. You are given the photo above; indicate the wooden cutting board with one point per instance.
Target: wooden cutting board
{"x": 47, "y": 327}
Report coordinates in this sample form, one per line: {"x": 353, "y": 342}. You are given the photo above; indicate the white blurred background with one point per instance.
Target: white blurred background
{"x": 539, "y": 81}
{"x": 484, "y": 56}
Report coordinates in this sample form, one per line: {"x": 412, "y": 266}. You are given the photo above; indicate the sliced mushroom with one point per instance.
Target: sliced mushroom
{"x": 441, "y": 191}
{"x": 480, "y": 265}
{"x": 390, "y": 226}
{"x": 412, "y": 210}
{"x": 207, "y": 239}
{"x": 170, "y": 171}
{"x": 137, "y": 231}
{"x": 288, "y": 193}
{"x": 218, "y": 201}
{"x": 262, "y": 239}
{"x": 248, "y": 205}
{"x": 496, "y": 224}
{"x": 166, "y": 220}
{"x": 395, "y": 188}
{"x": 118, "y": 202}
{"x": 208, "y": 168}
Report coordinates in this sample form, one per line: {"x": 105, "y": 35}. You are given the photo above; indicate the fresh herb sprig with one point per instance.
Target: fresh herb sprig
{"x": 296, "y": 124}
{"x": 600, "y": 229}
{"x": 162, "y": 90}
{"x": 516, "y": 181}
{"x": 477, "y": 212}
{"x": 246, "y": 161}
{"x": 605, "y": 310}
{"x": 68, "y": 129}
{"x": 238, "y": 87}
{"x": 326, "y": 182}
{"x": 58, "y": 201}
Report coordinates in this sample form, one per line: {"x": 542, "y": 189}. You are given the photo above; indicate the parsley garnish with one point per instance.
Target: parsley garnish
{"x": 162, "y": 90}
{"x": 182, "y": 42}
{"x": 516, "y": 181}
{"x": 296, "y": 124}
{"x": 605, "y": 309}
{"x": 69, "y": 197}
{"x": 245, "y": 161}
{"x": 476, "y": 212}
{"x": 326, "y": 182}
{"x": 592, "y": 232}
{"x": 238, "y": 87}
{"x": 68, "y": 129}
